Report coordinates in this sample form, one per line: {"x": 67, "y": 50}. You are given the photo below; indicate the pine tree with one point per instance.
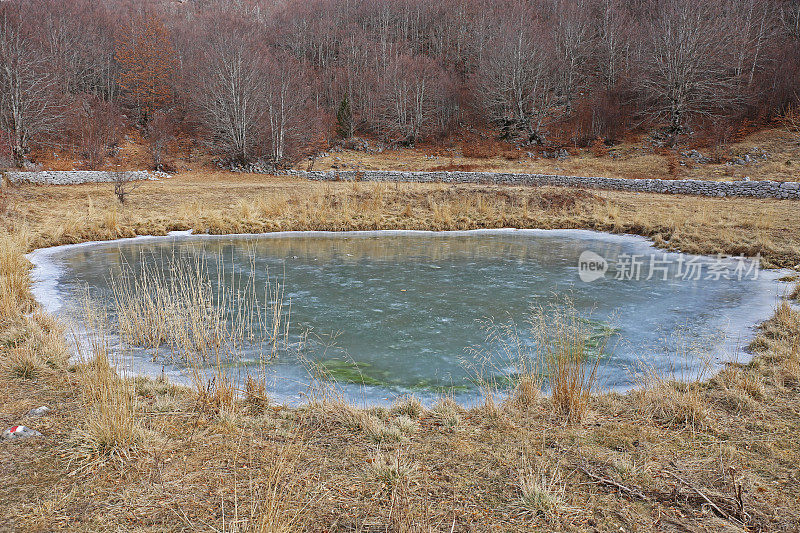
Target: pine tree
{"x": 344, "y": 119}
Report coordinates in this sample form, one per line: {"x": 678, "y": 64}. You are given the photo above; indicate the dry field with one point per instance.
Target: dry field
{"x": 629, "y": 159}
{"x": 143, "y": 455}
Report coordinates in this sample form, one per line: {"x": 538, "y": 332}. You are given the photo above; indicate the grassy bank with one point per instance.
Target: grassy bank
{"x": 226, "y": 203}
{"x": 138, "y": 454}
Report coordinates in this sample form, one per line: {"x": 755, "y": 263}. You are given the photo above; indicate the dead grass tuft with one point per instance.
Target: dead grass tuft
{"x": 23, "y": 363}
{"x": 739, "y": 388}
{"x": 392, "y": 470}
{"x": 255, "y": 394}
{"x": 542, "y": 489}
{"x": 673, "y": 404}
{"x": 278, "y": 501}
{"x": 111, "y": 432}
{"x": 528, "y": 391}
{"x": 15, "y": 297}
{"x": 448, "y": 413}
{"x": 795, "y": 294}
{"x": 563, "y": 340}
{"x": 409, "y": 406}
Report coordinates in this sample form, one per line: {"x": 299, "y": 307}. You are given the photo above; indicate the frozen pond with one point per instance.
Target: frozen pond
{"x": 390, "y": 313}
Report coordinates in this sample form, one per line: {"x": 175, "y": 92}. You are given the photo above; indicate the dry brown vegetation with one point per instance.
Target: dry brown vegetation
{"x": 633, "y": 158}
{"x": 247, "y": 203}
{"x": 124, "y": 453}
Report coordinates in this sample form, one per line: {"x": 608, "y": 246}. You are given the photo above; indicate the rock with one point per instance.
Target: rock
{"x": 39, "y": 411}
{"x": 695, "y": 156}
{"x": 19, "y": 432}
{"x": 66, "y": 177}
{"x": 559, "y": 154}
{"x": 746, "y": 187}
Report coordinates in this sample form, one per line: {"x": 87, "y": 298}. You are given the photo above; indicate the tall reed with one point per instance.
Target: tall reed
{"x": 560, "y": 349}
{"x": 15, "y": 298}
{"x": 196, "y": 314}
{"x": 202, "y": 315}
{"x": 563, "y": 344}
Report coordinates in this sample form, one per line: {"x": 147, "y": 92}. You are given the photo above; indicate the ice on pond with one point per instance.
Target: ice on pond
{"x": 388, "y": 313}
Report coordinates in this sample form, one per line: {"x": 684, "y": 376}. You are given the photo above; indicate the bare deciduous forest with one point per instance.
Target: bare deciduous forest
{"x": 256, "y": 80}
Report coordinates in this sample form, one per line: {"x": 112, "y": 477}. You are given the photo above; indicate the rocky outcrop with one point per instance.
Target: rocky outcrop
{"x": 754, "y": 189}
{"x": 74, "y": 177}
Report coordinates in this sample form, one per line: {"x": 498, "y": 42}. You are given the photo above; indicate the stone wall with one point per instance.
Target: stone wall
{"x": 74, "y": 177}
{"x": 756, "y": 189}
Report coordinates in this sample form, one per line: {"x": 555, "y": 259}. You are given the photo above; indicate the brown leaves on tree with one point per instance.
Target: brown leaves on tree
{"x": 147, "y": 62}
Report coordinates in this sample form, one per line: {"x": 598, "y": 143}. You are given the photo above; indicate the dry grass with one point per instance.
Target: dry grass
{"x": 634, "y": 158}
{"x": 795, "y": 294}
{"x": 23, "y": 363}
{"x": 562, "y": 339}
{"x": 111, "y": 431}
{"x": 284, "y": 469}
{"x": 146, "y": 458}
{"x": 542, "y": 489}
{"x": 183, "y": 313}
{"x": 15, "y": 298}
{"x": 182, "y": 318}
{"x": 275, "y": 505}
{"x": 226, "y": 203}
{"x": 674, "y": 404}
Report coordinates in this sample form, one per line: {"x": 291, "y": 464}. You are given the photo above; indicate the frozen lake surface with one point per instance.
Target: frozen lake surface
{"x": 391, "y": 313}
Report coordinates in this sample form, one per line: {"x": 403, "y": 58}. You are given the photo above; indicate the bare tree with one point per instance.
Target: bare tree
{"x": 159, "y": 132}
{"x": 684, "y": 71}
{"x": 611, "y": 48}
{"x": 230, "y": 90}
{"x": 30, "y": 105}
{"x": 791, "y": 121}
{"x": 95, "y": 127}
{"x": 518, "y": 79}
{"x": 572, "y": 44}
{"x": 789, "y": 15}
{"x": 124, "y": 183}
{"x": 415, "y": 99}
{"x": 252, "y": 76}
{"x": 287, "y": 107}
